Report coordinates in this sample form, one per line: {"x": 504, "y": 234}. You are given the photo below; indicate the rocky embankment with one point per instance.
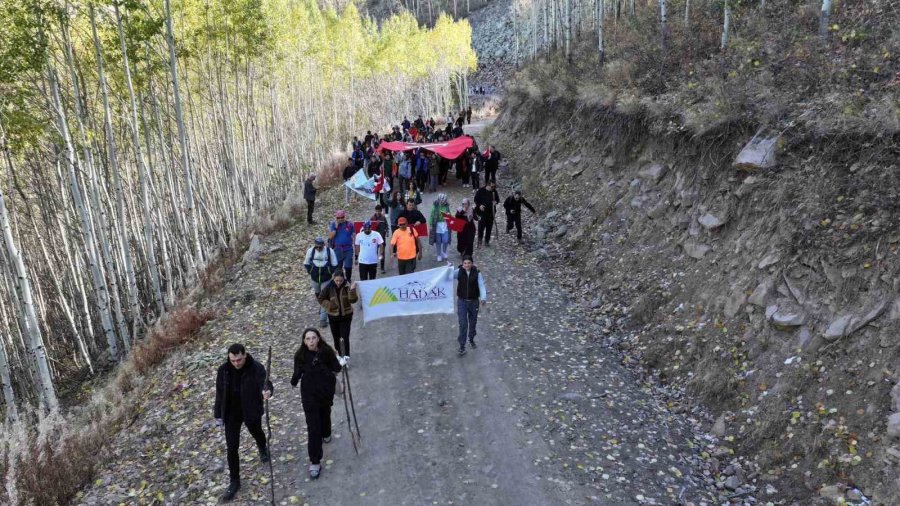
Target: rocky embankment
{"x": 765, "y": 295}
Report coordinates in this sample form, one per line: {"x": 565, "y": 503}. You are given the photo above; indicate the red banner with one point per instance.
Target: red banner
{"x": 358, "y": 225}
{"x": 450, "y": 150}
{"x": 421, "y": 229}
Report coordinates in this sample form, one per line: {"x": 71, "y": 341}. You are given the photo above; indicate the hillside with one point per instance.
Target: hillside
{"x": 768, "y": 295}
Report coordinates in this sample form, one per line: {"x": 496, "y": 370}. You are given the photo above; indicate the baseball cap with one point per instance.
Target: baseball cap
{"x": 319, "y": 241}
{"x": 401, "y": 221}
{"x": 367, "y": 224}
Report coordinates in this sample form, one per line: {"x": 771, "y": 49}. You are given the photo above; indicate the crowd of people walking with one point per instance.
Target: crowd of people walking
{"x": 394, "y": 229}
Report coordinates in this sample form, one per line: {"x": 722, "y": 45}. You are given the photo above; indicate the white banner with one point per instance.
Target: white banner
{"x": 426, "y": 292}
{"x": 367, "y": 187}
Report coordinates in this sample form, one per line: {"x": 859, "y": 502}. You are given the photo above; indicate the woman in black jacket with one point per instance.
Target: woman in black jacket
{"x": 315, "y": 365}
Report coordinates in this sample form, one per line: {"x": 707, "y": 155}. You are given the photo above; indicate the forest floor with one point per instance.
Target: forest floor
{"x": 540, "y": 413}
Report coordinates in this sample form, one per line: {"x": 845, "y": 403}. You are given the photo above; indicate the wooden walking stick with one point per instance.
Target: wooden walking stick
{"x": 269, "y": 427}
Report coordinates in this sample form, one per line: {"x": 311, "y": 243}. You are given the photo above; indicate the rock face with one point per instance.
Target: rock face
{"x": 893, "y": 426}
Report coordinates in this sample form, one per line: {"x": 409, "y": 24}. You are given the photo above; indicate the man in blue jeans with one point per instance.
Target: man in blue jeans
{"x": 341, "y": 234}
{"x": 470, "y": 295}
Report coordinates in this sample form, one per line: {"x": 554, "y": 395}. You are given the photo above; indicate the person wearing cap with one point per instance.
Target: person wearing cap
{"x": 309, "y": 195}
{"x": 338, "y": 297}
{"x": 369, "y": 248}
{"x": 320, "y": 263}
{"x": 405, "y": 246}
{"x": 471, "y": 294}
{"x": 513, "y": 205}
{"x": 382, "y": 228}
{"x": 342, "y": 235}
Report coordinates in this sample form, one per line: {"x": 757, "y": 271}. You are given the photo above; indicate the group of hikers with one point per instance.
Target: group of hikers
{"x": 242, "y": 385}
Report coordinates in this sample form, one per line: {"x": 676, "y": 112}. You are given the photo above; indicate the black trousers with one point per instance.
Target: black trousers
{"x": 233, "y": 442}
{"x": 340, "y": 332}
{"x": 310, "y": 204}
{"x": 318, "y": 423}
{"x": 367, "y": 271}
{"x": 514, "y": 220}
{"x": 406, "y": 266}
{"x": 490, "y": 175}
{"x": 421, "y": 179}
{"x": 485, "y": 226}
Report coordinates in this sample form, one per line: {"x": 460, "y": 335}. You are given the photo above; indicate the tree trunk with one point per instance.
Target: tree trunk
{"x": 726, "y": 25}
{"x": 824, "y": 19}
{"x": 35, "y": 340}
{"x": 183, "y": 140}
{"x": 142, "y": 175}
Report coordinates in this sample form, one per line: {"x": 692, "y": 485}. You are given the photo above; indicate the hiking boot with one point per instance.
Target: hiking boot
{"x": 232, "y": 491}
{"x": 264, "y": 455}
{"x": 461, "y": 352}
{"x": 472, "y": 344}
{"x": 314, "y": 471}
{"x": 326, "y": 440}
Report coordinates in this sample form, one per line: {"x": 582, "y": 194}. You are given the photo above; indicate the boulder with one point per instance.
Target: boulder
{"x": 757, "y": 154}
{"x": 654, "y": 172}
{"x": 895, "y": 398}
{"x": 254, "y": 250}
{"x": 575, "y": 173}
{"x": 761, "y": 293}
{"x": 718, "y": 428}
{"x": 893, "y": 426}
{"x": 710, "y": 221}
{"x": 769, "y": 260}
{"x": 785, "y": 316}
{"x": 734, "y": 303}
{"x": 848, "y": 324}
{"x": 833, "y": 494}
{"x": 695, "y": 250}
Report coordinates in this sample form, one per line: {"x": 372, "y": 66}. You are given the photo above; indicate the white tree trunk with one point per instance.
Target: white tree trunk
{"x": 824, "y": 19}
{"x": 35, "y": 340}
{"x": 142, "y": 175}
{"x": 183, "y": 140}
{"x": 726, "y": 25}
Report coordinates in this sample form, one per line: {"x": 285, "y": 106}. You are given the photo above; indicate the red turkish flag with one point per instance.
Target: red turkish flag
{"x": 453, "y": 223}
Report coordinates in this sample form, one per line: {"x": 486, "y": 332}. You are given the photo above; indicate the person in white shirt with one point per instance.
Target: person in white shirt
{"x": 369, "y": 248}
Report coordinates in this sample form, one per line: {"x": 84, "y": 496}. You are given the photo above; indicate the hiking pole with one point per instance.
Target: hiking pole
{"x": 346, "y": 408}
{"x": 269, "y": 427}
{"x": 352, "y": 406}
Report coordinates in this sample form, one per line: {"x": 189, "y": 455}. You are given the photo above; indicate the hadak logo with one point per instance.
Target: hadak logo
{"x": 414, "y": 291}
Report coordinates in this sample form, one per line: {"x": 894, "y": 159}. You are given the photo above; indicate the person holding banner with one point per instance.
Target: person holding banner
{"x": 315, "y": 365}
{"x": 471, "y": 294}
{"x": 338, "y": 298}
{"x": 439, "y": 234}
{"x": 405, "y": 245}
{"x": 341, "y": 235}
{"x": 369, "y": 247}
{"x": 413, "y": 216}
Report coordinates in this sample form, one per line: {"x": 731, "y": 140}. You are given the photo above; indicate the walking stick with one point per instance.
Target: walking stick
{"x": 269, "y": 427}
{"x": 348, "y": 394}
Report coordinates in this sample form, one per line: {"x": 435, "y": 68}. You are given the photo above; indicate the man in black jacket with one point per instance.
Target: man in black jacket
{"x": 513, "y": 205}
{"x": 412, "y": 214}
{"x": 486, "y": 201}
{"x": 309, "y": 194}
{"x": 491, "y": 164}
{"x": 241, "y": 389}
